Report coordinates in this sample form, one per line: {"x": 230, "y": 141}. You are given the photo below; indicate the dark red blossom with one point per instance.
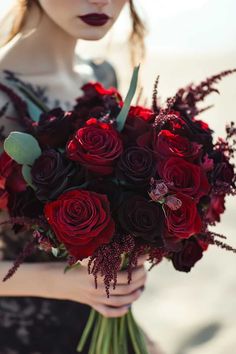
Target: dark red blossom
{"x": 81, "y": 220}
{"x": 185, "y": 177}
{"x": 97, "y": 146}
{"x": 187, "y": 257}
{"x": 185, "y": 221}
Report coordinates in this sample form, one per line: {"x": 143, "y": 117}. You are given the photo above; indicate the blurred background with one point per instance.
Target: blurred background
{"x": 188, "y": 41}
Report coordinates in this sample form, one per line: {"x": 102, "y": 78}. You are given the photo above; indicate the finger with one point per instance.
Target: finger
{"x": 111, "y": 312}
{"x": 137, "y": 273}
{"x": 123, "y": 300}
{"x": 142, "y": 259}
{"x": 126, "y": 289}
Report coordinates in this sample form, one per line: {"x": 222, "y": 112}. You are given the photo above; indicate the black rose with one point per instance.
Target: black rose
{"x": 142, "y": 218}
{"x": 52, "y": 173}
{"x": 135, "y": 166}
{"x": 54, "y": 128}
{"x": 24, "y": 205}
{"x": 98, "y": 101}
{"x": 190, "y": 253}
{"x": 223, "y": 173}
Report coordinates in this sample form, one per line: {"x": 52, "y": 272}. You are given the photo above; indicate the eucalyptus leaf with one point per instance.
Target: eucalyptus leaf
{"x": 125, "y": 109}
{"x": 22, "y": 147}
{"x": 26, "y": 172}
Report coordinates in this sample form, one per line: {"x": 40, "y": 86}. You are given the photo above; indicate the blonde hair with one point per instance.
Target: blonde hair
{"x": 136, "y": 39}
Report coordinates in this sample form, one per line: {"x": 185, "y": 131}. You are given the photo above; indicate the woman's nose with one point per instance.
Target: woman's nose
{"x": 99, "y": 3}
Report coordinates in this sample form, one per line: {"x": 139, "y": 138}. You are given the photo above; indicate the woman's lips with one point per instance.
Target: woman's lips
{"x": 95, "y": 19}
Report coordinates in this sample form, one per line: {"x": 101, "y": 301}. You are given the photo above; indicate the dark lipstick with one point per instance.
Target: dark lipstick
{"x": 94, "y": 19}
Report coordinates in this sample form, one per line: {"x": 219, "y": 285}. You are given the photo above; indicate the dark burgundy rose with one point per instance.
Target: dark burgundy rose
{"x": 113, "y": 191}
{"x": 135, "y": 166}
{"x": 81, "y": 220}
{"x": 54, "y": 128}
{"x": 142, "y": 219}
{"x": 223, "y": 173}
{"x": 98, "y": 101}
{"x": 52, "y": 173}
{"x": 202, "y": 134}
{"x": 188, "y": 256}
{"x": 25, "y": 204}
{"x": 185, "y": 221}
{"x": 215, "y": 209}
{"x": 135, "y": 128}
{"x": 97, "y": 146}
{"x": 185, "y": 177}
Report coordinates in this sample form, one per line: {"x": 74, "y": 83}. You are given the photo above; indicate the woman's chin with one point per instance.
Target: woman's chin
{"x": 92, "y": 34}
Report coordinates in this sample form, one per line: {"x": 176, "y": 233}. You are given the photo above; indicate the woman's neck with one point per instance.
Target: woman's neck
{"x": 37, "y": 52}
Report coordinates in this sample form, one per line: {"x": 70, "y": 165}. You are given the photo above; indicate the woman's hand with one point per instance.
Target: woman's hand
{"x": 78, "y": 285}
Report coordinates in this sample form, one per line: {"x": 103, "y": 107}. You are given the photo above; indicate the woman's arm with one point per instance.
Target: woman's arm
{"x": 47, "y": 280}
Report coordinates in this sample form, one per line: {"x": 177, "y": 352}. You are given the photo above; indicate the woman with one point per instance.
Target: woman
{"x": 41, "y": 310}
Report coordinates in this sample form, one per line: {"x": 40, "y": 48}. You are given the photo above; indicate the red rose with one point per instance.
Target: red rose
{"x": 185, "y": 221}
{"x": 168, "y": 145}
{"x": 11, "y": 177}
{"x": 216, "y": 207}
{"x": 141, "y": 112}
{"x": 96, "y": 146}
{"x": 81, "y": 220}
{"x": 185, "y": 177}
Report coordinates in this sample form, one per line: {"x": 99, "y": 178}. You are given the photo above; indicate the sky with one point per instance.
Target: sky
{"x": 189, "y": 25}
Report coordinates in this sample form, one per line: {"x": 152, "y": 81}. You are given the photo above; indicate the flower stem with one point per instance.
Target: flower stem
{"x": 87, "y": 330}
{"x": 139, "y": 335}
{"x": 122, "y": 333}
{"x": 102, "y": 333}
{"x": 133, "y": 334}
{"x": 93, "y": 345}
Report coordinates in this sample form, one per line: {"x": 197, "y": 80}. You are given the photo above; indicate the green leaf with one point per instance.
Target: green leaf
{"x": 125, "y": 109}
{"x": 26, "y": 172}
{"x": 70, "y": 267}
{"x": 22, "y": 147}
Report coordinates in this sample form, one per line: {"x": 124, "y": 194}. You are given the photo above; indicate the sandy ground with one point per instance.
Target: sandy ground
{"x": 193, "y": 313}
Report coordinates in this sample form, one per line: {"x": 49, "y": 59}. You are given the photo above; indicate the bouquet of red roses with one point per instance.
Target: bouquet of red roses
{"x": 111, "y": 181}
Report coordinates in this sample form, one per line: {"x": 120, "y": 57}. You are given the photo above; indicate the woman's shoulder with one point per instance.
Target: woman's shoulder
{"x": 97, "y": 70}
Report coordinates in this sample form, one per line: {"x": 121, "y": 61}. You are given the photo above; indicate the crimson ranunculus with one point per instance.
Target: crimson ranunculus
{"x": 142, "y": 219}
{"x": 96, "y": 146}
{"x": 81, "y": 220}
{"x": 185, "y": 259}
{"x": 216, "y": 207}
{"x": 135, "y": 166}
{"x": 54, "y": 128}
{"x": 185, "y": 221}
{"x": 185, "y": 177}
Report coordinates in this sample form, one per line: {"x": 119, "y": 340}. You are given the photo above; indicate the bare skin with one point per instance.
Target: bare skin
{"x": 53, "y": 66}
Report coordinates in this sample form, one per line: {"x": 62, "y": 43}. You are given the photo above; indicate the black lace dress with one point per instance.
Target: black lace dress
{"x": 30, "y": 325}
